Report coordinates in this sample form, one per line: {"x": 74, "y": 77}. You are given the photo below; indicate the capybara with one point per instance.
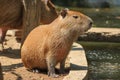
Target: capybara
{"x": 1, "y": 75}
{"x": 50, "y": 44}
{"x": 11, "y": 14}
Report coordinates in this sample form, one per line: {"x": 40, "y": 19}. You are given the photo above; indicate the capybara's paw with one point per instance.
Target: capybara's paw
{"x": 35, "y": 70}
{"x": 53, "y": 75}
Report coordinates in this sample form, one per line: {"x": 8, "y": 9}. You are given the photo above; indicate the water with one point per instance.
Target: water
{"x": 103, "y": 60}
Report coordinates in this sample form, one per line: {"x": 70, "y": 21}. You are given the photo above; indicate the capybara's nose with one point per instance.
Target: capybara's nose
{"x": 90, "y": 23}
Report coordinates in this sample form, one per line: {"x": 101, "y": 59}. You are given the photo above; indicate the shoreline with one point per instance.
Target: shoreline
{"x": 101, "y": 35}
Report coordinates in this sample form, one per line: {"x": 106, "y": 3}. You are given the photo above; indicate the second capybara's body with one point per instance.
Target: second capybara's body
{"x": 50, "y": 44}
{"x": 12, "y": 11}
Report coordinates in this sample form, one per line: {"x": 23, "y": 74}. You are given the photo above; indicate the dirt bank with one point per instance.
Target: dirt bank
{"x": 101, "y": 34}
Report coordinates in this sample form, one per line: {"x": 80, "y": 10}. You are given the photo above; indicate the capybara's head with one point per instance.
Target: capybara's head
{"x": 48, "y": 13}
{"x": 75, "y": 21}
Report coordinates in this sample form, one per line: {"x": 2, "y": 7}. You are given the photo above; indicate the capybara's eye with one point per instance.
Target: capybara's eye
{"x": 75, "y": 16}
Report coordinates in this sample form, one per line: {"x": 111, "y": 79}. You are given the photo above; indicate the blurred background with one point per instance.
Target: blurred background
{"x": 105, "y": 13}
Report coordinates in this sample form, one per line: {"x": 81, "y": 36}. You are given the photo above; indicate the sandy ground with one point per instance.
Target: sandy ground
{"x": 12, "y": 66}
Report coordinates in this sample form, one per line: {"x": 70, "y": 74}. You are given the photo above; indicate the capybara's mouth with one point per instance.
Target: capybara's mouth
{"x": 89, "y": 26}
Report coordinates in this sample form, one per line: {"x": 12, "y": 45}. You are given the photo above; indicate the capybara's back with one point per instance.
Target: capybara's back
{"x": 50, "y": 44}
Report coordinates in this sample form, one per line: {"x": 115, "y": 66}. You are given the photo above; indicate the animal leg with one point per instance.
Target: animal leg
{"x": 62, "y": 66}
{"x": 51, "y": 67}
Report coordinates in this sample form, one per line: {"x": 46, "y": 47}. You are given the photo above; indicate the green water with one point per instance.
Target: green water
{"x": 103, "y": 60}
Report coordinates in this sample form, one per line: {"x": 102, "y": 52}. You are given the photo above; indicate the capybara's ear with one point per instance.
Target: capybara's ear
{"x": 64, "y": 12}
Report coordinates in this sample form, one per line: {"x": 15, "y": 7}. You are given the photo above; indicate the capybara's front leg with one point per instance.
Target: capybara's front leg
{"x": 62, "y": 66}
{"x": 51, "y": 67}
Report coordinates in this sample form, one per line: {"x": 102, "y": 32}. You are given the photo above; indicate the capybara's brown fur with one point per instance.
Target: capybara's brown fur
{"x": 11, "y": 12}
{"x": 50, "y": 44}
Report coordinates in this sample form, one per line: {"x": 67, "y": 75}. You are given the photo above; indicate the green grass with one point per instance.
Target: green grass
{"x": 102, "y": 17}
